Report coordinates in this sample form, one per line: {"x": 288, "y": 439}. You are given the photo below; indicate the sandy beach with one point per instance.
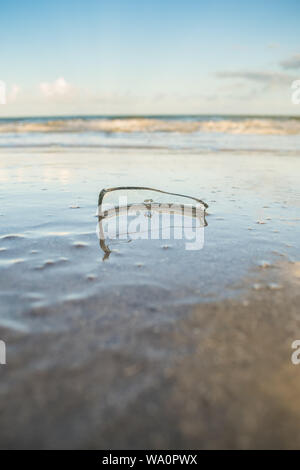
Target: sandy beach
{"x": 156, "y": 346}
{"x": 149, "y": 229}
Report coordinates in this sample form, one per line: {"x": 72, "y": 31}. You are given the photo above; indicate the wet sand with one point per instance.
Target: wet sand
{"x": 155, "y": 347}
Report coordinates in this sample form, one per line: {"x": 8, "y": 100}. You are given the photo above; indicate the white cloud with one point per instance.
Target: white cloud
{"x": 267, "y": 78}
{"x": 14, "y": 92}
{"x": 273, "y": 45}
{"x": 60, "y": 88}
{"x": 292, "y": 62}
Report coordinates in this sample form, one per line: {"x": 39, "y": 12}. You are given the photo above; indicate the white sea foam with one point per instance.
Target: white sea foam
{"x": 202, "y": 132}
{"x": 265, "y": 126}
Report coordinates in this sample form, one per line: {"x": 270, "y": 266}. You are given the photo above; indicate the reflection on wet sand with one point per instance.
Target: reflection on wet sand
{"x": 149, "y": 219}
{"x": 182, "y": 349}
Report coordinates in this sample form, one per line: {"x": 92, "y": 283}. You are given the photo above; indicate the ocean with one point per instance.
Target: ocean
{"x": 192, "y": 133}
{"x": 107, "y": 334}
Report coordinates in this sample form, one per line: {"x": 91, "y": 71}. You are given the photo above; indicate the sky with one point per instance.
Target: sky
{"x": 131, "y": 57}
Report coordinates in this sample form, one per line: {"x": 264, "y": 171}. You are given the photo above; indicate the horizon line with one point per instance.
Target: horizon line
{"x": 149, "y": 115}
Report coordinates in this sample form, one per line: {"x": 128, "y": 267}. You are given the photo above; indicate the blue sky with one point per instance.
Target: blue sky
{"x": 149, "y": 57}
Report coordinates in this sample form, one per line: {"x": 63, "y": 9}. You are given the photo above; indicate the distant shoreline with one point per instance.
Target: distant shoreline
{"x": 151, "y": 116}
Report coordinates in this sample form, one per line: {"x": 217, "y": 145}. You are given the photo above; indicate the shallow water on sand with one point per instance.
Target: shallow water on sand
{"x": 55, "y": 282}
{"x": 50, "y": 252}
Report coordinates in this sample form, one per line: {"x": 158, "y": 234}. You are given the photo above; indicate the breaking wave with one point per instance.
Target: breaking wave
{"x": 194, "y": 133}
{"x": 184, "y": 125}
